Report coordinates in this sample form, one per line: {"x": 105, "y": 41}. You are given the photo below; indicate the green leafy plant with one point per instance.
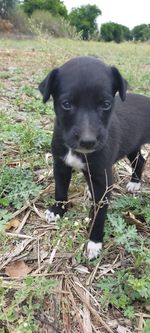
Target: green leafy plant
{"x": 124, "y": 235}
{"x": 115, "y": 292}
{"x": 23, "y": 308}
{"x": 140, "y": 206}
{"x": 123, "y": 288}
{"x": 16, "y": 187}
{"x": 147, "y": 327}
{"x": 127, "y": 285}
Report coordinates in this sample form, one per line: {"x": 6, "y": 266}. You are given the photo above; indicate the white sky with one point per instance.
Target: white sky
{"x": 126, "y": 12}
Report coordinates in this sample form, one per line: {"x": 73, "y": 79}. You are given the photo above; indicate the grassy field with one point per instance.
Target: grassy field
{"x": 46, "y": 283}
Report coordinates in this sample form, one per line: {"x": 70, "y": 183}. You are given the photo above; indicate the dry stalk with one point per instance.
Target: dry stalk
{"x": 78, "y": 283}
{"x": 53, "y": 253}
{"x": 42, "y": 216}
{"x": 38, "y": 256}
{"x": 48, "y": 274}
{"x": 86, "y": 316}
{"x": 141, "y": 323}
{"x": 81, "y": 296}
{"x": 76, "y": 309}
{"x": 21, "y": 225}
{"x": 92, "y": 275}
{"x": 22, "y": 236}
{"x": 66, "y": 311}
{"x": 19, "y": 248}
{"x": 145, "y": 315}
{"x": 92, "y": 189}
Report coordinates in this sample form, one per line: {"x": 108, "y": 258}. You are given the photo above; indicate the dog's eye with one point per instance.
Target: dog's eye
{"x": 66, "y": 105}
{"x": 106, "y": 105}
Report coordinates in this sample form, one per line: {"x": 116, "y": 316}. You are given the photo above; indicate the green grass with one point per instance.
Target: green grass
{"x": 25, "y": 304}
{"x": 26, "y": 126}
{"x": 131, "y": 281}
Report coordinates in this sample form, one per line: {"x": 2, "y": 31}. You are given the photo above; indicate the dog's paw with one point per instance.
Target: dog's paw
{"x": 133, "y": 187}
{"x": 51, "y": 217}
{"x": 93, "y": 250}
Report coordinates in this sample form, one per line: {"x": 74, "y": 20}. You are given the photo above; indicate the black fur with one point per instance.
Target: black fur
{"x": 92, "y": 121}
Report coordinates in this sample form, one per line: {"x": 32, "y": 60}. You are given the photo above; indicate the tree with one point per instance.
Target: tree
{"x": 5, "y": 6}
{"x": 126, "y": 33}
{"x": 55, "y": 7}
{"x": 141, "y": 32}
{"x": 84, "y": 19}
{"x": 107, "y": 32}
{"x": 115, "y": 32}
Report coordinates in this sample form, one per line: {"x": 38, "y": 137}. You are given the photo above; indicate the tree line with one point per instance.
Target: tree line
{"x": 84, "y": 19}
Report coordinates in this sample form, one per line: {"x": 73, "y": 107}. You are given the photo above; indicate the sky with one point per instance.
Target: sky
{"x": 127, "y": 12}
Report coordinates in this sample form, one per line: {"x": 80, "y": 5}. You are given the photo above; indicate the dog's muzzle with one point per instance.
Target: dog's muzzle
{"x": 86, "y": 146}
{"x": 87, "y": 142}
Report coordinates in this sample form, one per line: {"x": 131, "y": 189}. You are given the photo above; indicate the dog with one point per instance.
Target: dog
{"x": 97, "y": 123}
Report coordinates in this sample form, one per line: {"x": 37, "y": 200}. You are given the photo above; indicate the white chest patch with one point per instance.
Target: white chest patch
{"x": 74, "y": 161}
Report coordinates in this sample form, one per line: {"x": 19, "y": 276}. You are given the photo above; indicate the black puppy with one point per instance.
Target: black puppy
{"x": 94, "y": 129}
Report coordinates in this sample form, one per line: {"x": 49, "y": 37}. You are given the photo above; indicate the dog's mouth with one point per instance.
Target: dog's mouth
{"x": 85, "y": 151}
{"x": 84, "y": 146}
{"x": 80, "y": 149}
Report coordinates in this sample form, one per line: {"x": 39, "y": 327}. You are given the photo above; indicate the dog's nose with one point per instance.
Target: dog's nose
{"x": 87, "y": 144}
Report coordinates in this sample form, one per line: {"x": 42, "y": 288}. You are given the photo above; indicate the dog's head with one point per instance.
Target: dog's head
{"x": 83, "y": 91}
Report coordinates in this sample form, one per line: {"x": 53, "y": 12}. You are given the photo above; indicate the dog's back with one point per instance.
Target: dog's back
{"x": 132, "y": 123}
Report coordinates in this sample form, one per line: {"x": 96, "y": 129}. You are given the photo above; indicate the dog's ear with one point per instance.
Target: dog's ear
{"x": 119, "y": 83}
{"x": 47, "y": 86}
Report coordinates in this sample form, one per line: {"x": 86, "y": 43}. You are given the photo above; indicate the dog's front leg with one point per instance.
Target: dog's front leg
{"x": 62, "y": 175}
{"x": 100, "y": 187}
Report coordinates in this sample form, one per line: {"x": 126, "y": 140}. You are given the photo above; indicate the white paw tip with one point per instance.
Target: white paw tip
{"x": 50, "y": 216}
{"x": 93, "y": 250}
{"x": 133, "y": 187}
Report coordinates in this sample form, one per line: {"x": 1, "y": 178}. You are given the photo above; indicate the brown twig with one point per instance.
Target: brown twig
{"x": 19, "y": 248}
{"x": 81, "y": 295}
{"x": 140, "y": 324}
{"x": 21, "y": 225}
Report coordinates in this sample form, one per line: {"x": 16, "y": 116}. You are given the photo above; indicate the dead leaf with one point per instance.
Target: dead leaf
{"x": 14, "y": 223}
{"x": 147, "y": 307}
{"x": 18, "y": 269}
{"x": 82, "y": 269}
{"x": 130, "y": 217}
{"x": 122, "y": 329}
{"x": 113, "y": 323}
{"x": 43, "y": 254}
{"x": 17, "y": 250}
